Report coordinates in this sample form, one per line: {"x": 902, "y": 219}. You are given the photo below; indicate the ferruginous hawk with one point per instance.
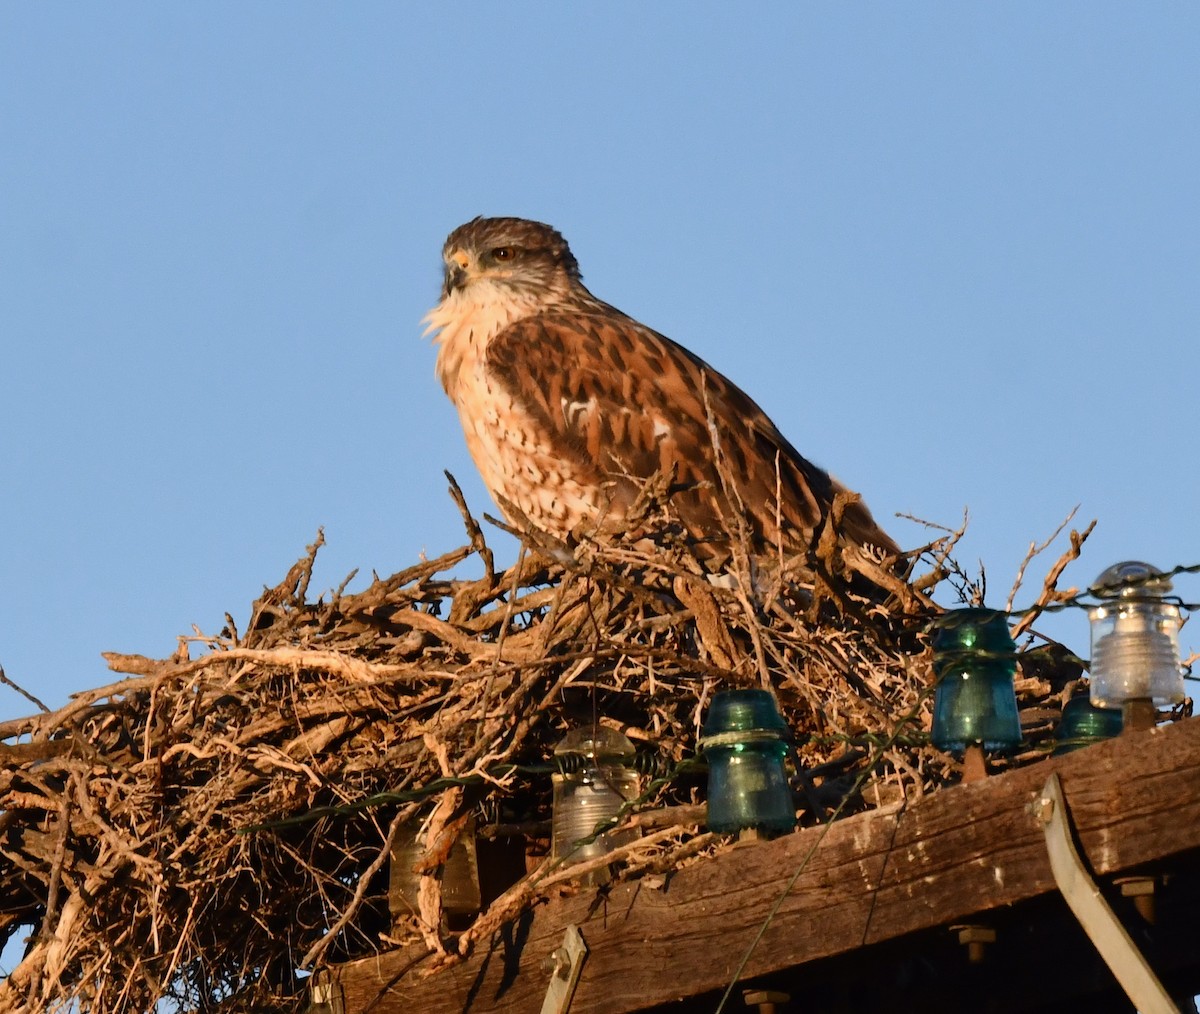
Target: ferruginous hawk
{"x": 569, "y": 405}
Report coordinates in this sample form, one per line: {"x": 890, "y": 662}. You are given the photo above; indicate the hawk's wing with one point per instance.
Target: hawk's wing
{"x": 623, "y": 401}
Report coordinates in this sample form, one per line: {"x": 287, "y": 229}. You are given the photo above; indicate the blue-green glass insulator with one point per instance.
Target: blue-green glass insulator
{"x": 745, "y": 744}
{"x": 1084, "y": 724}
{"x": 974, "y": 658}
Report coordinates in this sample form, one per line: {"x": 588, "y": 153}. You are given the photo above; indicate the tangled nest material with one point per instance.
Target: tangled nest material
{"x": 200, "y": 830}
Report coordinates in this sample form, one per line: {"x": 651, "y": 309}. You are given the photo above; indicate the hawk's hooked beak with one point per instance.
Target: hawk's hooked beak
{"x": 456, "y": 272}
{"x": 456, "y": 278}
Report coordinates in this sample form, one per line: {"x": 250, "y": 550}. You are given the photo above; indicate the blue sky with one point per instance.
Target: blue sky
{"x": 952, "y": 250}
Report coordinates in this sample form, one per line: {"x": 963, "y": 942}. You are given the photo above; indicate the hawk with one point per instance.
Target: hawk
{"x": 569, "y": 406}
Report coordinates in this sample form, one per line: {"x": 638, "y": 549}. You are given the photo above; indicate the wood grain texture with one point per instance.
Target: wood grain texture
{"x": 867, "y": 879}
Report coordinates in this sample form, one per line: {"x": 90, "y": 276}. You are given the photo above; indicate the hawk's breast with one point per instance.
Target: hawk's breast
{"x": 520, "y": 458}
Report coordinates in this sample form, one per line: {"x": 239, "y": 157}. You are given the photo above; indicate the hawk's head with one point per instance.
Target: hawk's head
{"x": 514, "y": 253}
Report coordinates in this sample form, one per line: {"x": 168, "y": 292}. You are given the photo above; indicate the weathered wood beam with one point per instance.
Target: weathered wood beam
{"x": 867, "y": 879}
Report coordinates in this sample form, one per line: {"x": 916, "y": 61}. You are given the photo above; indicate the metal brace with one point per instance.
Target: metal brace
{"x": 324, "y": 995}
{"x": 565, "y": 965}
{"x": 1102, "y": 926}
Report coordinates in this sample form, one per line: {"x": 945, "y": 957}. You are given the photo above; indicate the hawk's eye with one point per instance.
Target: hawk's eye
{"x": 503, "y": 253}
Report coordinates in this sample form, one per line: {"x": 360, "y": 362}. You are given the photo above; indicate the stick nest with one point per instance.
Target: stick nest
{"x": 204, "y": 828}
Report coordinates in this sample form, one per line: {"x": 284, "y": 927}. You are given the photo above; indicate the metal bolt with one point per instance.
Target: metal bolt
{"x": 1141, "y": 890}
{"x": 764, "y": 999}
{"x": 557, "y": 962}
{"x": 976, "y": 939}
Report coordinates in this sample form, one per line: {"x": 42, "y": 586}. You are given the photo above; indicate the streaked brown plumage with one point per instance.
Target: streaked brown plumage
{"x": 569, "y": 405}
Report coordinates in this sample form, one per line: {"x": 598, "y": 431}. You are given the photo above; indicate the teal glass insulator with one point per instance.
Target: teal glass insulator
{"x": 974, "y": 659}
{"x": 1084, "y": 724}
{"x": 745, "y": 742}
